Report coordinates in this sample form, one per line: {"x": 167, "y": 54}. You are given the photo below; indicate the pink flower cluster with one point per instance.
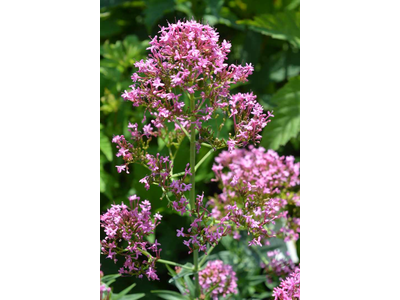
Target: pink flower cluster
{"x": 291, "y": 228}
{"x": 289, "y": 289}
{"x": 160, "y": 167}
{"x": 126, "y": 230}
{"x": 133, "y": 152}
{"x": 256, "y": 190}
{"x": 187, "y": 61}
{"x": 202, "y": 231}
{"x": 161, "y": 170}
{"x": 247, "y": 127}
{"x": 218, "y": 278}
{"x": 278, "y": 265}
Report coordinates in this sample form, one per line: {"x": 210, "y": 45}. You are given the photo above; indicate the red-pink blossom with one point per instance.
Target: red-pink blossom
{"x": 218, "y": 278}
{"x": 126, "y": 229}
{"x": 289, "y": 288}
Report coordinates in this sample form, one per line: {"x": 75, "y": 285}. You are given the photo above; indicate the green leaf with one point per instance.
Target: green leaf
{"x": 133, "y": 296}
{"x": 161, "y": 144}
{"x": 282, "y": 26}
{"x": 169, "y": 295}
{"x": 106, "y": 3}
{"x": 155, "y": 10}
{"x": 120, "y": 56}
{"x": 108, "y": 278}
{"x": 286, "y": 121}
{"x": 284, "y": 65}
{"x": 124, "y": 292}
{"x": 256, "y": 279}
{"x": 179, "y": 285}
{"x": 292, "y": 4}
{"x": 264, "y": 295}
{"x": 105, "y": 146}
{"x": 182, "y": 273}
{"x": 190, "y": 285}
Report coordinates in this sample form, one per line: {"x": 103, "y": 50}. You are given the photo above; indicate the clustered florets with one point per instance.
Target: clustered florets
{"x": 256, "y": 190}
{"x": 279, "y": 265}
{"x": 202, "y": 230}
{"x": 289, "y": 289}
{"x": 187, "y": 61}
{"x": 126, "y": 229}
{"x": 218, "y": 278}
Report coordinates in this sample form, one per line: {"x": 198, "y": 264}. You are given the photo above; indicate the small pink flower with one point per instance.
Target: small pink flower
{"x": 180, "y": 232}
{"x": 120, "y": 168}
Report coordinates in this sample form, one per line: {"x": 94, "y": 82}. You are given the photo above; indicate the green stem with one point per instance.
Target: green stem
{"x": 167, "y": 262}
{"x": 193, "y": 191}
{"x": 205, "y": 256}
{"x": 183, "y": 129}
{"x": 164, "y": 261}
{"x": 206, "y": 145}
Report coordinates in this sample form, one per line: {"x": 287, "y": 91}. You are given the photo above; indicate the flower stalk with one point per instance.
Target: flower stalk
{"x": 192, "y": 196}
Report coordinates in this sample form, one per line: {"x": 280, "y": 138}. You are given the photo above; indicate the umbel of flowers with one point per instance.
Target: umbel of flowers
{"x": 126, "y": 229}
{"x": 289, "y": 289}
{"x": 183, "y": 86}
{"x": 278, "y": 265}
{"x": 258, "y": 187}
{"x": 185, "y": 81}
{"x": 218, "y": 278}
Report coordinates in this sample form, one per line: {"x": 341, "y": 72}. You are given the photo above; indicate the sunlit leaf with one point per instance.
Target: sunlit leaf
{"x": 105, "y": 146}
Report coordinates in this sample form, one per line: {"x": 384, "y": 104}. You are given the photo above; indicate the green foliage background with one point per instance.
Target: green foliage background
{"x": 265, "y": 33}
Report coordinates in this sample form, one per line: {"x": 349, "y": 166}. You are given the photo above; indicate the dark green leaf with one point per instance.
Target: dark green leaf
{"x": 286, "y": 123}
{"x": 155, "y": 10}
{"x": 182, "y": 273}
{"x": 190, "y": 285}
{"x": 107, "y": 278}
{"x": 282, "y": 26}
{"x": 133, "y": 296}
{"x": 105, "y": 146}
{"x": 169, "y": 295}
{"x": 123, "y": 293}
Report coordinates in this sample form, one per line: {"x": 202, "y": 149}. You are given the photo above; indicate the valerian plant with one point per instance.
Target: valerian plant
{"x": 184, "y": 87}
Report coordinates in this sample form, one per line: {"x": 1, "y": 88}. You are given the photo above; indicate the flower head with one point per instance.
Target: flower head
{"x": 219, "y": 278}
{"x": 126, "y": 231}
{"x": 289, "y": 288}
{"x": 189, "y": 58}
{"x": 258, "y": 187}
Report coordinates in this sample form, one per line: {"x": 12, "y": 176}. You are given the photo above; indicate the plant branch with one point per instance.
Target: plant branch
{"x": 167, "y": 262}
{"x": 164, "y": 261}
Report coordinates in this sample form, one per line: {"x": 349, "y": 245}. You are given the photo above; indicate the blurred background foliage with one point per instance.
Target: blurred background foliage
{"x": 264, "y": 33}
